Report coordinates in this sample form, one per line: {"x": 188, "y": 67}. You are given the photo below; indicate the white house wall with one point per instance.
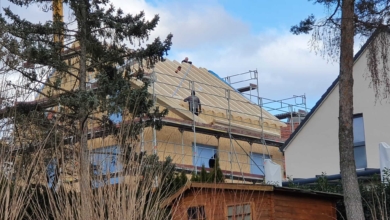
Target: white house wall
{"x": 315, "y": 148}
{"x": 376, "y": 114}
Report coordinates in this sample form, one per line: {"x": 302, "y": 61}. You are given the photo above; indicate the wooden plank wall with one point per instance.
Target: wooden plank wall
{"x": 216, "y": 202}
{"x": 299, "y": 207}
{"x": 264, "y": 205}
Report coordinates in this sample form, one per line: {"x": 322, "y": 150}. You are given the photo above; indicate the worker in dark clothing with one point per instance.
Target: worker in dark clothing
{"x": 186, "y": 61}
{"x": 194, "y": 102}
{"x": 212, "y": 160}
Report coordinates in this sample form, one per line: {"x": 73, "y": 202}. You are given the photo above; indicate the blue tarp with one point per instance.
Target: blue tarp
{"x": 216, "y": 75}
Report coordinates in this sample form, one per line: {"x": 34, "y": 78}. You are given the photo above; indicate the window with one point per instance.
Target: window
{"x": 239, "y": 212}
{"x": 106, "y": 164}
{"x": 359, "y": 142}
{"x": 116, "y": 117}
{"x": 52, "y": 173}
{"x": 257, "y": 163}
{"x": 203, "y": 154}
{"x": 196, "y": 213}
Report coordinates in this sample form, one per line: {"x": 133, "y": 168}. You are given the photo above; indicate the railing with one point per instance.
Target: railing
{"x": 223, "y": 105}
{"x": 243, "y": 162}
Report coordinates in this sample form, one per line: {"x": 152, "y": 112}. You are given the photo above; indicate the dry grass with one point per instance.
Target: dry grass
{"x": 124, "y": 185}
{"x": 25, "y": 194}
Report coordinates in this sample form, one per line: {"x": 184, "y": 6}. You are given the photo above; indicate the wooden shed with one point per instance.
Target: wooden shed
{"x": 248, "y": 201}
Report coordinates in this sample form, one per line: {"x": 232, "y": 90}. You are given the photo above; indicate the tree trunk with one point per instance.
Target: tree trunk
{"x": 84, "y": 175}
{"x": 352, "y": 197}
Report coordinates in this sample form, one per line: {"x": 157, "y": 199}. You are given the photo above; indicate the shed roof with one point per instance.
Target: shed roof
{"x": 246, "y": 187}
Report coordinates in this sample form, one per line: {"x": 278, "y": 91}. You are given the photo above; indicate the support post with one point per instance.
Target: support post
{"x": 265, "y": 149}
{"x": 194, "y": 126}
{"x": 182, "y": 146}
{"x": 291, "y": 118}
{"x": 154, "y": 126}
{"x": 154, "y": 118}
{"x": 230, "y": 134}
{"x": 58, "y": 12}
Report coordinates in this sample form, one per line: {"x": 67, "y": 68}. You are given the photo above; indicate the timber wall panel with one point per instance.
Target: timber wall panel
{"x": 215, "y": 203}
{"x": 301, "y": 207}
{"x": 169, "y": 144}
{"x": 264, "y": 205}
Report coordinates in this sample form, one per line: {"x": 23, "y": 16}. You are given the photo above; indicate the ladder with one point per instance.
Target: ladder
{"x": 182, "y": 80}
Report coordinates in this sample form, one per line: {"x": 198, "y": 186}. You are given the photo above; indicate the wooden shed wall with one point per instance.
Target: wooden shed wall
{"x": 264, "y": 205}
{"x": 298, "y": 207}
{"x": 215, "y": 203}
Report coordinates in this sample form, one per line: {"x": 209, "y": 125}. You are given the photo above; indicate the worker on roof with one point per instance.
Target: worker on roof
{"x": 194, "y": 103}
{"x": 178, "y": 69}
{"x": 186, "y": 61}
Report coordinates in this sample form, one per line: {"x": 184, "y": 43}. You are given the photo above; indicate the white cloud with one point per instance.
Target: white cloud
{"x": 214, "y": 39}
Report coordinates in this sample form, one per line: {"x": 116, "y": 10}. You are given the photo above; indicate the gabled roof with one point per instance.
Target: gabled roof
{"x": 171, "y": 88}
{"x": 330, "y": 89}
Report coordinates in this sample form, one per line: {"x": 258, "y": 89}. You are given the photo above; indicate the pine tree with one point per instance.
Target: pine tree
{"x": 106, "y": 41}
{"x": 168, "y": 181}
{"x": 336, "y": 32}
{"x": 214, "y": 176}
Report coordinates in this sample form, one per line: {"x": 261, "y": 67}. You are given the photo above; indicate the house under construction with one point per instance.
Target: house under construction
{"x": 234, "y": 125}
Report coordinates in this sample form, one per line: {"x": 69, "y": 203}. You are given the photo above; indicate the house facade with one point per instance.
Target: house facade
{"x": 229, "y": 126}
{"x": 313, "y": 148}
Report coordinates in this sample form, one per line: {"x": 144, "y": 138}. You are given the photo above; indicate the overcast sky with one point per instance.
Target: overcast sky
{"x": 230, "y": 37}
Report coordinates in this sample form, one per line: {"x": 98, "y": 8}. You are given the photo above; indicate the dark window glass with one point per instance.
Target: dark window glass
{"x": 359, "y": 142}
{"x": 239, "y": 212}
{"x": 196, "y": 213}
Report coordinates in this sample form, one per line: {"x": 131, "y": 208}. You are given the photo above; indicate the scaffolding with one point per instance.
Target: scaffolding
{"x": 251, "y": 94}
{"x": 282, "y": 108}
{"x": 226, "y": 102}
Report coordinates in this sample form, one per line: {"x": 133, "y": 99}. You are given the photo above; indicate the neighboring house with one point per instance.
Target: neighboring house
{"x": 313, "y": 148}
{"x": 235, "y": 138}
{"x": 242, "y": 155}
{"x": 246, "y": 202}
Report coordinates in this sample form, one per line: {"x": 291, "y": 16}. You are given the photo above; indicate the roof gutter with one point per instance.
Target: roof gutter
{"x": 365, "y": 172}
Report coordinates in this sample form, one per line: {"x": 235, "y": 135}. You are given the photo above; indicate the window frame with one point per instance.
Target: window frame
{"x": 109, "y": 177}
{"x": 195, "y": 154}
{"x": 266, "y": 156}
{"x": 198, "y": 207}
{"x": 51, "y": 172}
{"x": 360, "y": 144}
{"x": 234, "y": 217}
